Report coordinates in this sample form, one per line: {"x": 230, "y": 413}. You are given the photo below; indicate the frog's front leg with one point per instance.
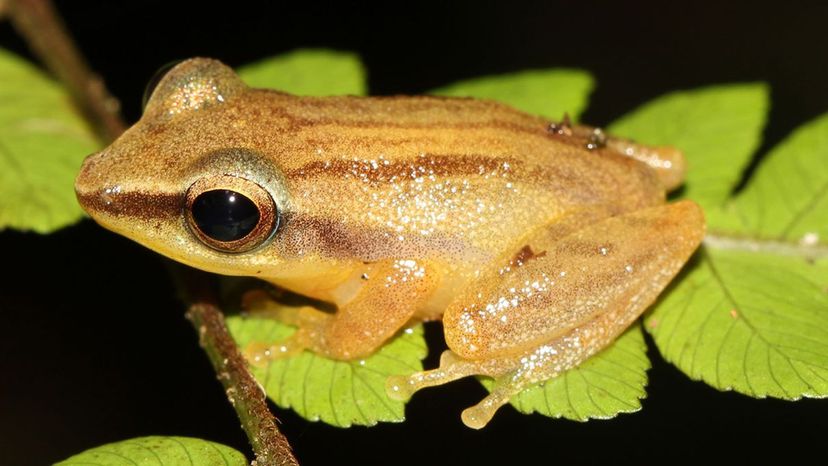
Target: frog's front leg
{"x": 386, "y": 299}
{"x": 567, "y": 300}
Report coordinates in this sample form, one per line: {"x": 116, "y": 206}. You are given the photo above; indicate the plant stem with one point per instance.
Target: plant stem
{"x": 38, "y": 23}
{"x": 243, "y": 390}
{"x": 807, "y": 248}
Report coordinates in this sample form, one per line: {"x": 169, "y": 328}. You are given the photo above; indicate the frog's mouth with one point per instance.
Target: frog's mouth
{"x": 150, "y": 219}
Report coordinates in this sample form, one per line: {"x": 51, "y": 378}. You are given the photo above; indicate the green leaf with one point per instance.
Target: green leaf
{"x": 607, "y": 384}
{"x": 751, "y": 314}
{"x": 787, "y": 198}
{"x": 340, "y": 393}
{"x": 549, "y": 93}
{"x": 753, "y": 322}
{"x": 718, "y": 128}
{"x": 308, "y": 72}
{"x": 158, "y": 451}
{"x": 42, "y": 144}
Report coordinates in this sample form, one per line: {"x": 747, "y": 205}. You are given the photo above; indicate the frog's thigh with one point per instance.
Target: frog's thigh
{"x": 617, "y": 265}
{"x": 385, "y": 302}
{"x": 574, "y": 297}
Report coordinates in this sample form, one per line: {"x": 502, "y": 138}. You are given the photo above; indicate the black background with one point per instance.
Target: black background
{"x": 93, "y": 344}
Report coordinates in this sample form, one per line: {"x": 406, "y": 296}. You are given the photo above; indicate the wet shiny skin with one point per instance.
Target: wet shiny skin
{"x": 536, "y": 245}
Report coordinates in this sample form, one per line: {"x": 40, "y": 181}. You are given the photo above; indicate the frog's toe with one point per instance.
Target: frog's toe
{"x": 451, "y": 368}
{"x": 399, "y": 387}
{"x": 403, "y": 387}
{"x": 480, "y": 414}
{"x": 477, "y": 416}
{"x": 259, "y": 354}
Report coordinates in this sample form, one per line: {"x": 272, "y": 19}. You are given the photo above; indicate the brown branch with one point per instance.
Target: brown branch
{"x": 243, "y": 390}
{"x": 38, "y": 23}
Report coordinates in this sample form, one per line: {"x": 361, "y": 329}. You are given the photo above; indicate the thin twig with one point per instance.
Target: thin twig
{"x": 41, "y": 27}
{"x": 39, "y": 24}
{"x": 243, "y": 390}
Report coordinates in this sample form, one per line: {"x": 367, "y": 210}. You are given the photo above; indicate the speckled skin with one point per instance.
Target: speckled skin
{"x": 535, "y": 251}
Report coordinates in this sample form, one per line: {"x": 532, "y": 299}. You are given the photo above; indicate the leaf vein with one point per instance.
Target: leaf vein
{"x": 381, "y": 397}
{"x": 569, "y": 398}
{"x": 589, "y": 395}
{"x": 793, "y": 368}
{"x": 614, "y": 379}
{"x": 354, "y": 378}
{"x": 771, "y": 372}
{"x": 730, "y": 327}
{"x": 798, "y": 216}
{"x": 186, "y": 451}
{"x": 305, "y": 386}
{"x": 745, "y": 365}
{"x": 140, "y": 445}
{"x": 330, "y": 395}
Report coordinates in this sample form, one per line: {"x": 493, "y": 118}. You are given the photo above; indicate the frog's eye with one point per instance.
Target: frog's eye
{"x": 154, "y": 80}
{"x": 230, "y": 214}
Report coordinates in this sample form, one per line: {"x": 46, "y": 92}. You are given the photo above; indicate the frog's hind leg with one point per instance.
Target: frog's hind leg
{"x": 571, "y": 298}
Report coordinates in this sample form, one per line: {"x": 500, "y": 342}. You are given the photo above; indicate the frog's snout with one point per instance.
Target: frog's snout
{"x": 89, "y": 187}
{"x": 83, "y": 182}
{"x": 109, "y": 197}
{"x": 102, "y": 200}
{"x": 97, "y": 193}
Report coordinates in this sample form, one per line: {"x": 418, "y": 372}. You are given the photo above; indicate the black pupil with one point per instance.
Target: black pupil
{"x": 224, "y": 215}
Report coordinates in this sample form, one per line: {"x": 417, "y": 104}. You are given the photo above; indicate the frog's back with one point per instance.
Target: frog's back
{"x": 451, "y": 173}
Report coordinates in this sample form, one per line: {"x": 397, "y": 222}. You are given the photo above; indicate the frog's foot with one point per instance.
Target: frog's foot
{"x": 453, "y": 367}
{"x": 512, "y": 373}
{"x": 374, "y": 311}
{"x": 259, "y": 354}
{"x": 310, "y": 323}
{"x": 480, "y": 414}
{"x": 551, "y": 310}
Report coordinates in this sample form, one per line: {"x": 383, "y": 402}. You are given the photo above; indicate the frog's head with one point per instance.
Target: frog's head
{"x": 191, "y": 180}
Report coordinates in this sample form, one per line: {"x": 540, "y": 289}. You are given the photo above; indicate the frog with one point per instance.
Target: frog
{"x": 537, "y": 243}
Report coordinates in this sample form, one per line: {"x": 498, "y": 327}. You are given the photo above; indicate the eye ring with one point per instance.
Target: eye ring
{"x": 230, "y": 214}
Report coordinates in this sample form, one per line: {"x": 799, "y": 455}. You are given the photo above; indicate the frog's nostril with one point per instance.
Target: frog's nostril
{"x": 98, "y": 199}
{"x": 109, "y": 194}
